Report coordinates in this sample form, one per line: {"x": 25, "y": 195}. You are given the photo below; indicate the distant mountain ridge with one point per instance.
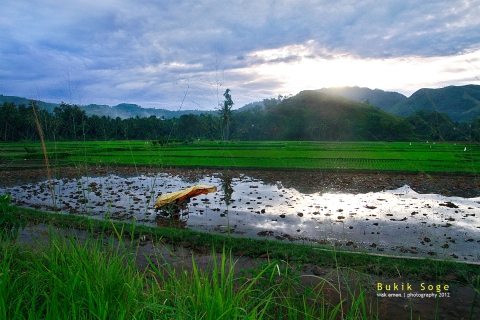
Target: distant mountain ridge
{"x": 123, "y": 110}
{"x": 19, "y": 100}
{"x": 460, "y": 103}
{"x": 126, "y": 110}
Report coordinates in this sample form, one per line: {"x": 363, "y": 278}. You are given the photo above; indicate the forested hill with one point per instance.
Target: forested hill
{"x": 19, "y": 101}
{"x": 126, "y": 110}
{"x": 309, "y": 115}
{"x": 385, "y": 100}
{"x": 313, "y": 115}
{"x": 460, "y": 103}
{"x": 123, "y": 110}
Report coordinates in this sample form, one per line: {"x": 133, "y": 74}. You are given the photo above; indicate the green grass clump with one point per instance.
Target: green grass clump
{"x": 67, "y": 278}
{"x": 10, "y": 224}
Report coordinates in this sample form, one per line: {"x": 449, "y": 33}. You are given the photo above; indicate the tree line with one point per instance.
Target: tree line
{"x": 271, "y": 122}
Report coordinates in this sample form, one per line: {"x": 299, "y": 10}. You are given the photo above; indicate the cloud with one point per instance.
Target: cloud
{"x": 151, "y": 52}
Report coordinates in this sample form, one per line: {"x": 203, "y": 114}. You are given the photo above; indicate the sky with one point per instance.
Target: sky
{"x": 183, "y": 54}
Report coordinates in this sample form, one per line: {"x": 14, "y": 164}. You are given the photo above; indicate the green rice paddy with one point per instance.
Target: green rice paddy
{"x": 378, "y": 156}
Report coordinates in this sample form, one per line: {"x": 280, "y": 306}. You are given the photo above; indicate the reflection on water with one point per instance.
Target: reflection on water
{"x": 227, "y": 187}
{"x": 400, "y": 221}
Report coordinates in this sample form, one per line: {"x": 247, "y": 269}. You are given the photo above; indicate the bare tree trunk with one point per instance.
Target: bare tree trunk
{"x": 226, "y": 131}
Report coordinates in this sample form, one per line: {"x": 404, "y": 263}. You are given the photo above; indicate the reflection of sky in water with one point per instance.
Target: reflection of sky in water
{"x": 397, "y": 221}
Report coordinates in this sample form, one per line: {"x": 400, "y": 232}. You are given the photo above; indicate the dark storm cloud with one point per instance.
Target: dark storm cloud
{"x": 151, "y": 52}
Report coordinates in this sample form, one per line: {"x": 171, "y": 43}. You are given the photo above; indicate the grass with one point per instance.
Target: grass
{"x": 378, "y": 265}
{"x": 396, "y": 156}
{"x": 68, "y": 278}
{"x": 96, "y": 276}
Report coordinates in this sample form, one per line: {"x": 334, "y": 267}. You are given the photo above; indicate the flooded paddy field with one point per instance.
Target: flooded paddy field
{"x": 385, "y": 213}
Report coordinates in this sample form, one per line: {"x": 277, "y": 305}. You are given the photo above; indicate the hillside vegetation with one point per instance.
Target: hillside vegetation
{"x": 312, "y": 115}
{"x": 460, "y": 103}
{"x": 122, "y": 110}
{"x": 309, "y": 115}
{"x": 385, "y": 100}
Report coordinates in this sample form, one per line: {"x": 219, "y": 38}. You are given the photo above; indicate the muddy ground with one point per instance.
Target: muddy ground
{"x": 305, "y": 181}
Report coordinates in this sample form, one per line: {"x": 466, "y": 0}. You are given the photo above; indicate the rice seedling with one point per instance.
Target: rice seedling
{"x": 397, "y": 156}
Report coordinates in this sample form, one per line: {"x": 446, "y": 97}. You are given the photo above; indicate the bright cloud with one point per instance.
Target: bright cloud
{"x": 405, "y": 74}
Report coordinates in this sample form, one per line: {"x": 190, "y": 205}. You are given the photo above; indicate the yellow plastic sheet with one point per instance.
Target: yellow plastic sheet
{"x": 181, "y": 195}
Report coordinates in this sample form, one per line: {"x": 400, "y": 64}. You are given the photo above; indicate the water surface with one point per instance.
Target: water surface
{"x": 399, "y": 221}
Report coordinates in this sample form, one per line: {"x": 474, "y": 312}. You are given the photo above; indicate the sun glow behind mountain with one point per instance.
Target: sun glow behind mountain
{"x": 299, "y": 68}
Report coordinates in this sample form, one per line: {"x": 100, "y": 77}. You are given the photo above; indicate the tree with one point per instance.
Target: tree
{"x": 72, "y": 121}
{"x": 11, "y": 119}
{"x": 225, "y": 114}
{"x": 270, "y": 103}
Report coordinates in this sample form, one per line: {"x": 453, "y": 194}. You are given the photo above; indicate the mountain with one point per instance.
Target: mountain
{"x": 251, "y": 105}
{"x": 315, "y": 115}
{"x": 460, "y": 103}
{"x": 123, "y": 110}
{"x": 384, "y": 100}
{"x": 18, "y": 101}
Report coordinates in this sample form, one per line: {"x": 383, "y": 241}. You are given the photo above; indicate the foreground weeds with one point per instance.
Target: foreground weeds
{"x": 68, "y": 278}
